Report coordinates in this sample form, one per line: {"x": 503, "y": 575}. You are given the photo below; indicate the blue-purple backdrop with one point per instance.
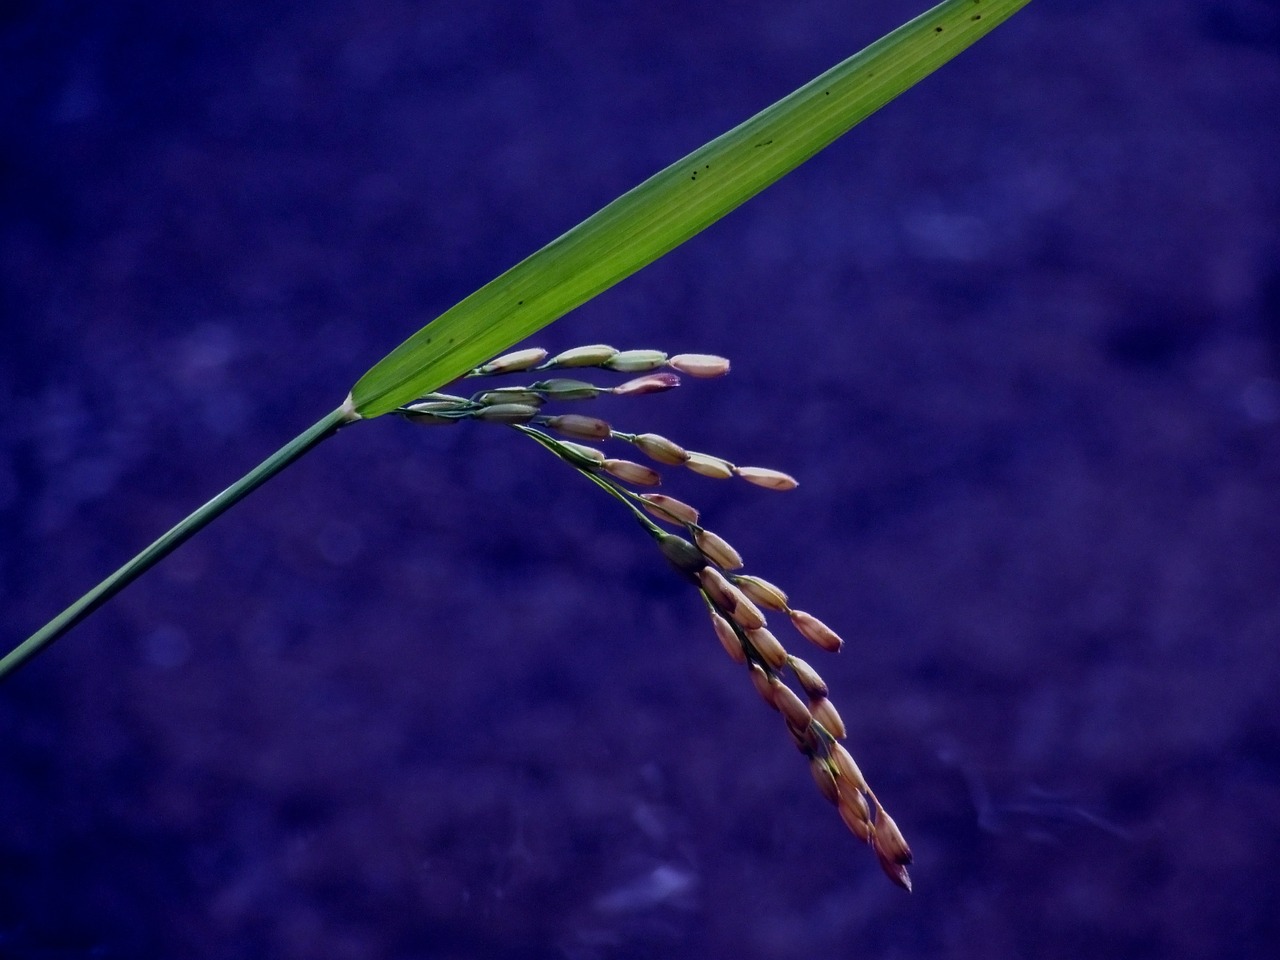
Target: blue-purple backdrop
{"x": 428, "y": 695}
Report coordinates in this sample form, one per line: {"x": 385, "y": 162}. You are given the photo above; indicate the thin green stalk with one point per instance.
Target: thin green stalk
{"x": 175, "y": 537}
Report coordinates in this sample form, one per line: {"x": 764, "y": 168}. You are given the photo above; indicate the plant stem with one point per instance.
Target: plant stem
{"x": 175, "y": 537}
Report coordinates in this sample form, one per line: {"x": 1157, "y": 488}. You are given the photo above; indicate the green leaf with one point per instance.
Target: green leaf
{"x": 673, "y": 205}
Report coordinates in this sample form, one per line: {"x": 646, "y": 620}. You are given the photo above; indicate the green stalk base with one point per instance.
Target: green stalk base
{"x": 174, "y": 538}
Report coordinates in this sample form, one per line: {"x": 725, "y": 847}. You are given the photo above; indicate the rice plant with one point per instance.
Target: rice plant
{"x": 634, "y": 230}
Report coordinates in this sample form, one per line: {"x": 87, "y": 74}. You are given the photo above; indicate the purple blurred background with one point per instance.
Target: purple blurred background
{"x": 428, "y": 695}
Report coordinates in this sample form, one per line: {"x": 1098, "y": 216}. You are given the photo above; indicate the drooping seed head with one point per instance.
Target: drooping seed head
{"x": 687, "y": 559}
{"x": 718, "y": 550}
{"x": 768, "y": 646}
{"x": 847, "y": 768}
{"x": 769, "y": 479}
{"x": 728, "y": 638}
{"x": 628, "y": 471}
{"x": 825, "y": 713}
{"x": 858, "y": 827}
{"x": 816, "y": 632}
{"x": 722, "y": 593}
{"x": 762, "y": 592}
{"x": 855, "y": 812}
{"x": 506, "y": 413}
{"x": 702, "y": 365}
{"x": 746, "y": 614}
{"x": 511, "y": 362}
{"x": 812, "y": 684}
{"x": 660, "y": 449}
{"x": 562, "y": 388}
{"x": 649, "y": 383}
{"x": 580, "y": 427}
{"x": 454, "y": 405}
{"x": 589, "y": 356}
{"x": 511, "y": 395}
{"x": 806, "y": 740}
{"x": 760, "y": 680}
{"x": 433, "y": 413}
{"x": 635, "y": 361}
{"x": 583, "y": 456}
{"x": 896, "y": 872}
{"x": 730, "y": 599}
{"x": 889, "y": 841}
{"x": 709, "y": 466}
{"x": 667, "y": 508}
{"x": 791, "y": 706}
{"x": 824, "y": 779}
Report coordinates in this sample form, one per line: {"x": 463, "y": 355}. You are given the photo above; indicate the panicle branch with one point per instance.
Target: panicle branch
{"x": 736, "y": 602}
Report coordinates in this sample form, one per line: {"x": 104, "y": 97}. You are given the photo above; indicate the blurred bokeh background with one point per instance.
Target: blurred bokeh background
{"x": 428, "y": 695}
